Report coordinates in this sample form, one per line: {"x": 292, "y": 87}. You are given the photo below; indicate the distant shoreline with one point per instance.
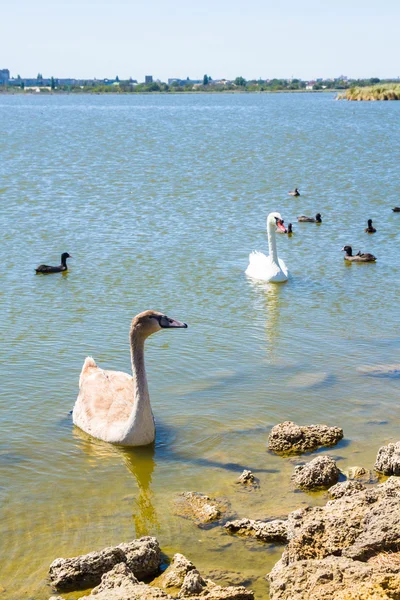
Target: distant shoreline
{"x": 46, "y": 92}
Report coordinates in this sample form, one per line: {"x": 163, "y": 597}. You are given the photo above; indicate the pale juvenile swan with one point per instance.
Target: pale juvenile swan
{"x": 114, "y": 406}
{"x": 269, "y": 268}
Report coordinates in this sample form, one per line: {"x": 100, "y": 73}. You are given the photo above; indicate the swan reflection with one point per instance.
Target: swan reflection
{"x": 140, "y": 462}
{"x": 267, "y": 301}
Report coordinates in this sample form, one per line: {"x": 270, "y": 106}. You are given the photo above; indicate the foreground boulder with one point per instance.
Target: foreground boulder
{"x": 142, "y": 556}
{"x": 266, "y": 531}
{"x": 121, "y": 584}
{"x": 388, "y": 459}
{"x": 319, "y": 473}
{"x": 289, "y": 438}
{"x": 200, "y": 508}
{"x": 346, "y": 546}
{"x": 335, "y": 578}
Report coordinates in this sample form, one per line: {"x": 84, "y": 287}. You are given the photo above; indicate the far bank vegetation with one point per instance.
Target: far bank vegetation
{"x": 387, "y": 91}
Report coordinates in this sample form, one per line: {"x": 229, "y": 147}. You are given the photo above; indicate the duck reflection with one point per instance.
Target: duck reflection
{"x": 140, "y": 462}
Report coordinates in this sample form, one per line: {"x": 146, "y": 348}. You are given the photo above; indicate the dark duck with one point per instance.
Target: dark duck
{"x": 60, "y": 269}
{"x": 359, "y": 257}
{"x": 370, "y": 229}
{"x": 304, "y": 219}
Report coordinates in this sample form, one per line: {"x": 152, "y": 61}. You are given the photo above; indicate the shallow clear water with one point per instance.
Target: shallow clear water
{"x": 160, "y": 199}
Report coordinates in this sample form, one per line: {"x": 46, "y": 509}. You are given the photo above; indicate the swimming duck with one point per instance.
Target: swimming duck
{"x": 294, "y": 193}
{"x": 359, "y": 257}
{"x": 289, "y": 229}
{"x": 63, "y": 267}
{"x": 304, "y": 219}
{"x": 370, "y": 229}
{"x": 396, "y": 209}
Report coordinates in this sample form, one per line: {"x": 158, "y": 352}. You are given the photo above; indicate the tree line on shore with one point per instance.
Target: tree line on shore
{"x": 207, "y": 85}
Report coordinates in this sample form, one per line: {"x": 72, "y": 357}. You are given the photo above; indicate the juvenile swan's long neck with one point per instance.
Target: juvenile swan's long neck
{"x": 140, "y": 429}
{"x": 273, "y": 252}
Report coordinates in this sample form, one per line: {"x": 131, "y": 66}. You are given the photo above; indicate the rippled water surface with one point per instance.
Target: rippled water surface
{"x": 160, "y": 199}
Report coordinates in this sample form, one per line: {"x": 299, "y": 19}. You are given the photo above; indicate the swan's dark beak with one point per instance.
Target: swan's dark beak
{"x": 167, "y": 323}
{"x": 279, "y": 223}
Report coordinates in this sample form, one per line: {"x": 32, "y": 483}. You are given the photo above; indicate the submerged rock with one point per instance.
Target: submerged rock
{"x": 319, "y": 473}
{"x": 142, "y": 556}
{"x": 326, "y": 556}
{"x": 200, "y": 508}
{"x": 388, "y": 459}
{"x": 380, "y": 370}
{"x": 289, "y": 438}
{"x": 266, "y": 531}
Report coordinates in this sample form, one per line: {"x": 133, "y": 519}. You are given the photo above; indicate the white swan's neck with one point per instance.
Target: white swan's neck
{"x": 140, "y": 427}
{"x": 273, "y": 252}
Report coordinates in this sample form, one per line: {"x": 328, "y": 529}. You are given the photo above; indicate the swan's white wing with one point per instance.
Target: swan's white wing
{"x": 104, "y": 403}
{"x": 263, "y": 268}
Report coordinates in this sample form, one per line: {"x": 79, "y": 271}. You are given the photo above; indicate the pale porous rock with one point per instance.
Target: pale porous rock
{"x": 327, "y": 554}
{"x": 289, "y": 438}
{"x": 275, "y": 531}
{"x": 121, "y": 584}
{"x": 174, "y": 575}
{"x": 388, "y": 459}
{"x": 246, "y": 478}
{"x": 200, "y": 508}
{"x": 193, "y": 584}
{"x": 334, "y": 578}
{"x": 142, "y": 556}
{"x": 346, "y": 488}
{"x": 319, "y": 473}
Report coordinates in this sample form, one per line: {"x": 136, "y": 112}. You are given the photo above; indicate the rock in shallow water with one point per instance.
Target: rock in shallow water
{"x": 319, "y": 473}
{"x": 327, "y": 553}
{"x": 142, "y": 556}
{"x": 275, "y": 531}
{"x": 289, "y": 438}
{"x": 182, "y": 580}
{"x": 388, "y": 459}
{"x": 199, "y": 508}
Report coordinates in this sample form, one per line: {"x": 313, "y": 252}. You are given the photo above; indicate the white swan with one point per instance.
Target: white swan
{"x": 269, "y": 268}
{"x": 114, "y": 406}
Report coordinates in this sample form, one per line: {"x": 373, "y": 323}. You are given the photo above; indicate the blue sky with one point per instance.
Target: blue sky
{"x": 187, "y": 38}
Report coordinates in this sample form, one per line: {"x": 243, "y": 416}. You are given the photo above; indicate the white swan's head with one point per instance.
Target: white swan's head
{"x": 275, "y": 218}
{"x": 151, "y": 321}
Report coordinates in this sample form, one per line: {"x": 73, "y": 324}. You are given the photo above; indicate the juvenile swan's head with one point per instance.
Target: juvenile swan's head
{"x": 150, "y": 321}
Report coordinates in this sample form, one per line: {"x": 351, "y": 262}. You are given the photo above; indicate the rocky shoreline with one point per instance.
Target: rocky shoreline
{"x": 348, "y": 549}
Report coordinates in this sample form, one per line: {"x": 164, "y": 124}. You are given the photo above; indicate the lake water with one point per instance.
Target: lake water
{"x": 160, "y": 199}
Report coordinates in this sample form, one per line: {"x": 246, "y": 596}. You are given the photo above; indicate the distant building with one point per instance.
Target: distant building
{"x": 4, "y": 76}
{"x": 148, "y": 79}
{"x": 186, "y": 81}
